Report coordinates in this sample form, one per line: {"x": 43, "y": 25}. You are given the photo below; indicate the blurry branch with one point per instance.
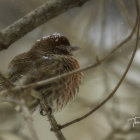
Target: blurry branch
{"x": 124, "y": 12}
{"x": 103, "y": 15}
{"x": 32, "y": 20}
{"x": 29, "y": 121}
{"x": 126, "y": 16}
{"x": 26, "y": 114}
{"x": 122, "y": 132}
{"x": 132, "y": 83}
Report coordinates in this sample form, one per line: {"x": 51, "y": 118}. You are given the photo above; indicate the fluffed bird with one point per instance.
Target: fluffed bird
{"x": 50, "y": 56}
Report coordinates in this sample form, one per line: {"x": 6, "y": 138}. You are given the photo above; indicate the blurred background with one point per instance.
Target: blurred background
{"x": 96, "y": 27}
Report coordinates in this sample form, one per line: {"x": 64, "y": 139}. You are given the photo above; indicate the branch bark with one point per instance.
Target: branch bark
{"x": 53, "y": 122}
{"x": 37, "y": 17}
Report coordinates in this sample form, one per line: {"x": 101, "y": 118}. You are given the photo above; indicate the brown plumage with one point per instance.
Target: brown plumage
{"x": 49, "y": 57}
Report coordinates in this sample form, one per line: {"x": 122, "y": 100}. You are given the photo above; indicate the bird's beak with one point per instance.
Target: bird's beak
{"x": 74, "y": 48}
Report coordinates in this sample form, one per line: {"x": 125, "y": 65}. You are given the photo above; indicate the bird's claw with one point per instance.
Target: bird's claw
{"x": 42, "y": 112}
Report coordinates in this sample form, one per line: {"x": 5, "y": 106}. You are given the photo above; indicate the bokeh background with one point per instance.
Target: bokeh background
{"x": 96, "y": 27}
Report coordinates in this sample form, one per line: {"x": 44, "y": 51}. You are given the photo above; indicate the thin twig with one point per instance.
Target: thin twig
{"x": 124, "y": 12}
{"x": 99, "y": 62}
{"x": 117, "y": 86}
{"x": 37, "y": 17}
{"x": 54, "y": 125}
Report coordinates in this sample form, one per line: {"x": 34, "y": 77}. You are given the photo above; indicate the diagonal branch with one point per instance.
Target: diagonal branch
{"x": 47, "y": 11}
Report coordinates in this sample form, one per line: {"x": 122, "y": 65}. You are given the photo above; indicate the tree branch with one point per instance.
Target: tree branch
{"x": 53, "y": 122}
{"x": 35, "y": 18}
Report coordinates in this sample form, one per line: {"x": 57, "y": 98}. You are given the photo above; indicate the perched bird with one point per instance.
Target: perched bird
{"x": 50, "y": 56}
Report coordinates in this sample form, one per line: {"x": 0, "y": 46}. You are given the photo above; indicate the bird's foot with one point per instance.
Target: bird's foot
{"x": 42, "y": 112}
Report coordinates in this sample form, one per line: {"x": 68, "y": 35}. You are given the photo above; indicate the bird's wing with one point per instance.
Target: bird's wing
{"x": 20, "y": 65}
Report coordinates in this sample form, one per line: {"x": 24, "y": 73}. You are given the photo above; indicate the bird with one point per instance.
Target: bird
{"x": 50, "y": 56}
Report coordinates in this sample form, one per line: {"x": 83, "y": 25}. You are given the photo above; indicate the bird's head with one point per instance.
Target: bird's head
{"x": 54, "y": 44}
